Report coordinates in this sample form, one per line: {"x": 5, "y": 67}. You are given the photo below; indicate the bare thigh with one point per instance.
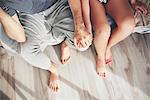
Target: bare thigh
{"x": 98, "y": 15}
{"x": 120, "y": 10}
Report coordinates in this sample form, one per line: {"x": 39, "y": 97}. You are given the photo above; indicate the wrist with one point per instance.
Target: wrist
{"x": 79, "y": 26}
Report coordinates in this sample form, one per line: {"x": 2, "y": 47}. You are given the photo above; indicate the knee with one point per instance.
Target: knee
{"x": 102, "y": 33}
{"x": 104, "y": 30}
{"x": 127, "y": 25}
{"x": 21, "y": 39}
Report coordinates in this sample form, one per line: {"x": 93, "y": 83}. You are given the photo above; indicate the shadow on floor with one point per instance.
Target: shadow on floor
{"x": 78, "y": 89}
{"x": 15, "y": 84}
{"x": 3, "y": 96}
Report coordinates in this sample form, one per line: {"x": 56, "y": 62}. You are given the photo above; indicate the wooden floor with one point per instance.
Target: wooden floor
{"x": 129, "y": 77}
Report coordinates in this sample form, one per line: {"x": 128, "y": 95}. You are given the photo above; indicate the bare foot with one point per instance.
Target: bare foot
{"x": 108, "y": 58}
{"x": 54, "y": 82}
{"x": 65, "y": 53}
{"x": 100, "y": 67}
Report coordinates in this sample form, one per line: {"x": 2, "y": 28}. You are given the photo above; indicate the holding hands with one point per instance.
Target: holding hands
{"x": 82, "y": 37}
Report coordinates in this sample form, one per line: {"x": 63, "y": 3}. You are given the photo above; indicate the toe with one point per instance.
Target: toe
{"x": 108, "y": 61}
{"x": 53, "y": 87}
{"x": 62, "y": 61}
{"x": 50, "y": 85}
{"x": 103, "y": 74}
{"x": 56, "y": 89}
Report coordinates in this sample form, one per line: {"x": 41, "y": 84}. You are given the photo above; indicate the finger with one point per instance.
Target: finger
{"x": 89, "y": 42}
{"x": 148, "y": 13}
{"x": 75, "y": 42}
{"x": 84, "y": 43}
{"x": 135, "y": 14}
{"x": 91, "y": 38}
{"x": 137, "y": 9}
{"x": 143, "y": 10}
{"x": 80, "y": 45}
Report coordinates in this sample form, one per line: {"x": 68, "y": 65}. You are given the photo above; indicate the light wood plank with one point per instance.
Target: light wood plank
{"x": 129, "y": 77}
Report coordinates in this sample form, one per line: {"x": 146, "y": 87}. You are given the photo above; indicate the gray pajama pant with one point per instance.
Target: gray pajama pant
{"x": 49, "y": 27}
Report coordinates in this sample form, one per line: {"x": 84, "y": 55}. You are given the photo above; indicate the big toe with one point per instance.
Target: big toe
{"x": 54, "y": 86}
{"x": 109, "y": 60}
{"x": 65, "y": 60}
{"x": 108, "y": 57}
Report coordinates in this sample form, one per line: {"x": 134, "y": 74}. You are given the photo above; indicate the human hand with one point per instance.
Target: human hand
{"x": 82, "y": 37}
{"x": 140, "y": 7}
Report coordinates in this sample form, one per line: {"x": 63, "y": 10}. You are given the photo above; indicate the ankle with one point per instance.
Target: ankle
{"x": 100, "y": 57}
{"x": 63, "y": 45}
{"x": 53, "y": 68}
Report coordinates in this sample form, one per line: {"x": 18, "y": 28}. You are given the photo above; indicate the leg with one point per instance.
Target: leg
{"x": 65, "y": 50}
{"x": 12, "y": 26}
{"x": 64, "y": 24}
{"x": 121, "y": 12}
{"x": 54, "y": 78}
{"x": 102, "y": 34}
{"x": 9, "y": 44}
{"x": 32, "y": 50}
{"x": 82, "y": 36}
